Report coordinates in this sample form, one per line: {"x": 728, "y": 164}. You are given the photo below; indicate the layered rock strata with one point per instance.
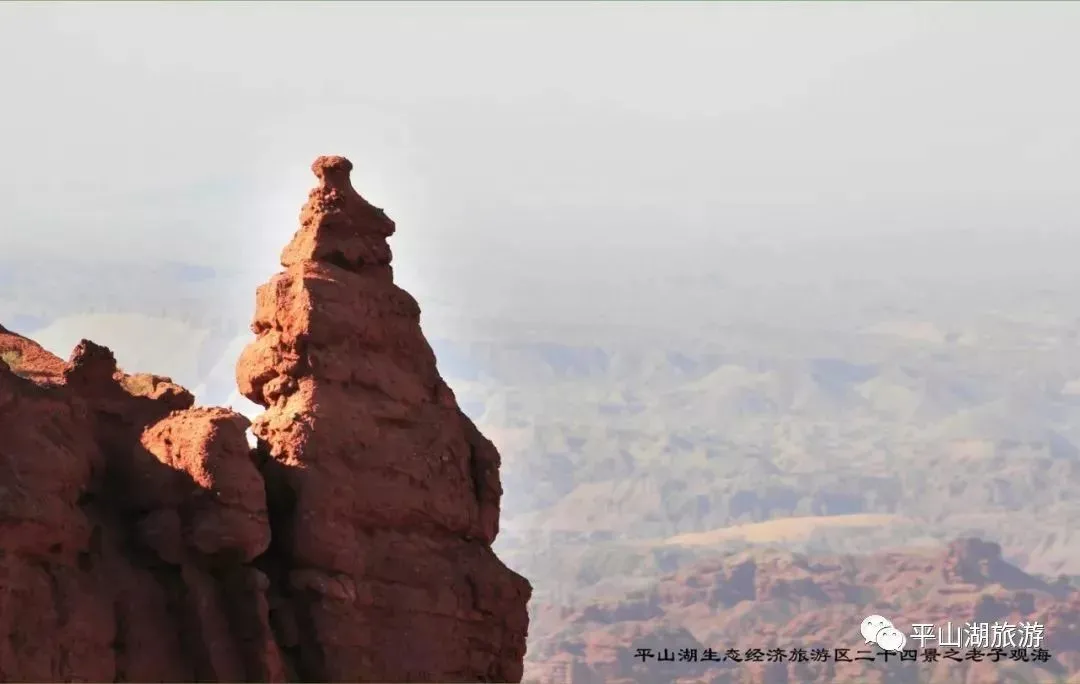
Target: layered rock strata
{"x": 385, "y": 496}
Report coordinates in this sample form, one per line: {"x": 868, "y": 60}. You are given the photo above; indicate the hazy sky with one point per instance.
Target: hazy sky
{"x": 543, "y": 130}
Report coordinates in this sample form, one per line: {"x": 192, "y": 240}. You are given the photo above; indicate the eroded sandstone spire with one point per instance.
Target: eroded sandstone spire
{"x": 142, "y": 540}
{"x": 384, "y": 496}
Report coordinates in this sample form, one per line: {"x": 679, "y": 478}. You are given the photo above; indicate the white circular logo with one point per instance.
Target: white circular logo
{"x": 872, "y": 625}
{"x": 890, "y": 639}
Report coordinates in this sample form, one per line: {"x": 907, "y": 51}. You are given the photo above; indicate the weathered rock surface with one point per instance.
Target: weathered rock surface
{"x": 385, "y": 496}
{"x": 110, "y": 566}
{"x": 141, "y": 539}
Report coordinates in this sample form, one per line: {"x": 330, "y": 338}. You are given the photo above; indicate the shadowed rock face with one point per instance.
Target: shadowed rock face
{"x": 142, "y": 540}
{"x": 393, "y": 495}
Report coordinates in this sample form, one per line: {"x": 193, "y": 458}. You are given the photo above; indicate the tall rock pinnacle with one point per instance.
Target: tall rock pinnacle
{"x": 383, "y": 495}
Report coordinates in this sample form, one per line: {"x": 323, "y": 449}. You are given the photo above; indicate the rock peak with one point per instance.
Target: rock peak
{"x": 92, "y": 362}
{"x": 333, "y": 172}
{"x": 338, "y": 226}
{"x": 396, "y": 491}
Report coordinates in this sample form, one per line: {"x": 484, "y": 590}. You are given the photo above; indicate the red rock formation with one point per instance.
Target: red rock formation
{"x": 122, "y": 560}
{"x": 142, "y": 540}
{"x": 386, "y": 496}
{"x": 766, "y": 599}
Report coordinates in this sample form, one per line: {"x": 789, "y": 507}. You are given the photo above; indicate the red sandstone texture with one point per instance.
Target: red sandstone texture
{"x": 141, "y": 539}
{"x": 772, "y": 599}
